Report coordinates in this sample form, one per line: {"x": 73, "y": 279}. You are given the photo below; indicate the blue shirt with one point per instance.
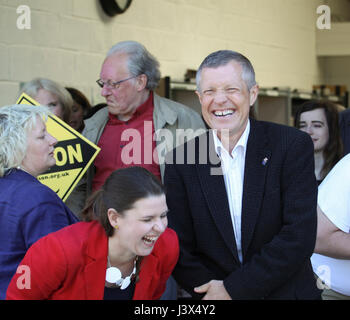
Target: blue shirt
{"x": 29, "y": 210}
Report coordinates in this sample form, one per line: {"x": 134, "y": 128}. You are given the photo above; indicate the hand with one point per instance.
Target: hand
{"x": 214, "y": 289}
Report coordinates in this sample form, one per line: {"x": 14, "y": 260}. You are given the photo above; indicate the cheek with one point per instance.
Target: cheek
{"x": 205, "y": 103}
{"x": 81, "y": 114}
{"x": 322, "y": 133}
{"x": 325, "y": 138}
{"x": 78, "y": 116}
{"x": 58, "y": 111}
{"x": 137, "y": 232}
{"x": 240, "y": 102}
{"x": 120, "y": 99}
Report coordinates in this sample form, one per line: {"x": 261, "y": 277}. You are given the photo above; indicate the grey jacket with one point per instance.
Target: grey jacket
{"x": 174, "y": 124}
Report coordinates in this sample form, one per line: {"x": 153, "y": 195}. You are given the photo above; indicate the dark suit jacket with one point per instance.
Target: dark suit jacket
{"x": 71, "y": 265}
{"x": 278, "y": 216}
{"x": 344, "y": 122}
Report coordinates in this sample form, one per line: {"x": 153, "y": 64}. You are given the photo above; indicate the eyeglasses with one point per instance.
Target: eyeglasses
{"x": 112, "y": 84}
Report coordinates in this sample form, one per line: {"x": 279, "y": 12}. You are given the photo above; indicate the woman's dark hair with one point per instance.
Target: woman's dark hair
{"x": 80, "y": 98}
{"x": 120, "y": 191}
{"x": 333, "y": 151}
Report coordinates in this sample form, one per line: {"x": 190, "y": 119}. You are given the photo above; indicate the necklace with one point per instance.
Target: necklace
{"x": 113, "y": 275}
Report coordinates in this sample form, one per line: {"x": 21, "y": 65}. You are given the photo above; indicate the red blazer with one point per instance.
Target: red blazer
{"x": 70, "y": 264}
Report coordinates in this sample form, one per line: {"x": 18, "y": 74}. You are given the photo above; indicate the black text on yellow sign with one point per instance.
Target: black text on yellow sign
{"x": 73, "y": 154}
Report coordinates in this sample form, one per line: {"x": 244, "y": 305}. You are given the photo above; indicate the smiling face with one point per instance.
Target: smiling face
{"x": 314, "y": 123}
{"x": 225, "y": 98}
{"x": 40, "y": 150}
{"x": 140, "y": 227}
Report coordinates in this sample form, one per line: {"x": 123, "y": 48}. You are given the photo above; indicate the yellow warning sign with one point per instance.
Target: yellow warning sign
{"x": 73, "y": 153}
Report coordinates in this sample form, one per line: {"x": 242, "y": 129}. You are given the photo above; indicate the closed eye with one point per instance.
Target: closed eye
{"x": 150, "y": 218}
{"x": 208, "y": 91}
{"x": 52, "y": 104}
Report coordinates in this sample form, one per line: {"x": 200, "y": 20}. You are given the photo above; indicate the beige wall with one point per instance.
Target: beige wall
{"x": 339, "y": 9}
{"x": 333, "y": 46}
{"x": 69, "y": 38}
{"x": 336, "y": 70}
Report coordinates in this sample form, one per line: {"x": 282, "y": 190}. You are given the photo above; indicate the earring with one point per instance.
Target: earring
{"x": 116, "y": 227}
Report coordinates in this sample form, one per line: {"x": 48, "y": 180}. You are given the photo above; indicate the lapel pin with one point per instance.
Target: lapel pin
{"x": 264, "y": 161}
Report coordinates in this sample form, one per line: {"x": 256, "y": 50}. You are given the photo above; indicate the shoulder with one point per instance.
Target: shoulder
{"x": 71, "y": 238}
{"x": 344, "y": 115}
{"x": 278, "y": 134}
{"x": 45, "y": 194}
{"x": 167, "y": 245}
{"x": 339, "y": 175}
{"x": 168, "y": 237}
{"x": 79, "y": 232}
{"x": 59, "y": 251}
{"x": 99, "y": 117}
{"x": 165, "y": 101}
{"x": 34, "y": 192}
{"x": 180, "y": 109}
{"x": 273, "y": 128}
{"x": 43, "y": 200}
{"x": 333, "y": 194}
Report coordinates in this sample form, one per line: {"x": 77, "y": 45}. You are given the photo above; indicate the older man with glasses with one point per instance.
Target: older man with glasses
{"x": 137, "y": 127}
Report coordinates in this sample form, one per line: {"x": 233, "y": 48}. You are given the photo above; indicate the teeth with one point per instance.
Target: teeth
{"x": 223, "y": 113}
{"x": 150, "y": 239}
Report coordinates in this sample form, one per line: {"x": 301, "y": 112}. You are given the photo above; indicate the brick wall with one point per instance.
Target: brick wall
{"x": 68, "y": 39}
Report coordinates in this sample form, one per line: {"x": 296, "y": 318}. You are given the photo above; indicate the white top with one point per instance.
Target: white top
{"x": 233, "y": 170}
{"x": 334, "y": 201}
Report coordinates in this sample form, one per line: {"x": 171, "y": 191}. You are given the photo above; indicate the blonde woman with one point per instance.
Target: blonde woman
{"x": 29, "y": 210}
{"x": 52, "y": 95}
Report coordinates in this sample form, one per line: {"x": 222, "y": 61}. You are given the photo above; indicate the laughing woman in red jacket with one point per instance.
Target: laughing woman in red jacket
{"x": 122, "y": 251}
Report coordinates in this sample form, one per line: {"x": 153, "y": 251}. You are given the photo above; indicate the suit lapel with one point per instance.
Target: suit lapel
{"x": 213, "y": 186}
{"x": 148, "y": 278}
{"x": 94, "y": 275}
{"x": 256, "y": 165}
{"x": 96, "y": 263}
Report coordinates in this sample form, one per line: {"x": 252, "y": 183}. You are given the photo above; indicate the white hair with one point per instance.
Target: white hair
{"x": 32, "y": 87}
{"x": 140, "y": 61}
{"x": 15, "y": 123}
{"x": 223, "y": 57}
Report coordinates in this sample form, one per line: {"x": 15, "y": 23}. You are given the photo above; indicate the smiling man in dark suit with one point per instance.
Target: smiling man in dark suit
{"x": 242, "y": 197}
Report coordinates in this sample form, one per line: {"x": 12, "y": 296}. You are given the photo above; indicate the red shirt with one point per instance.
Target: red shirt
{"x": 127, "y": 143}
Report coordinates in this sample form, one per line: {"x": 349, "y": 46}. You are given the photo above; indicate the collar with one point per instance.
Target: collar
{"x": 241, "y": 143}
{"x": 20, "y": 174}
{"x": 164, "y": 111}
